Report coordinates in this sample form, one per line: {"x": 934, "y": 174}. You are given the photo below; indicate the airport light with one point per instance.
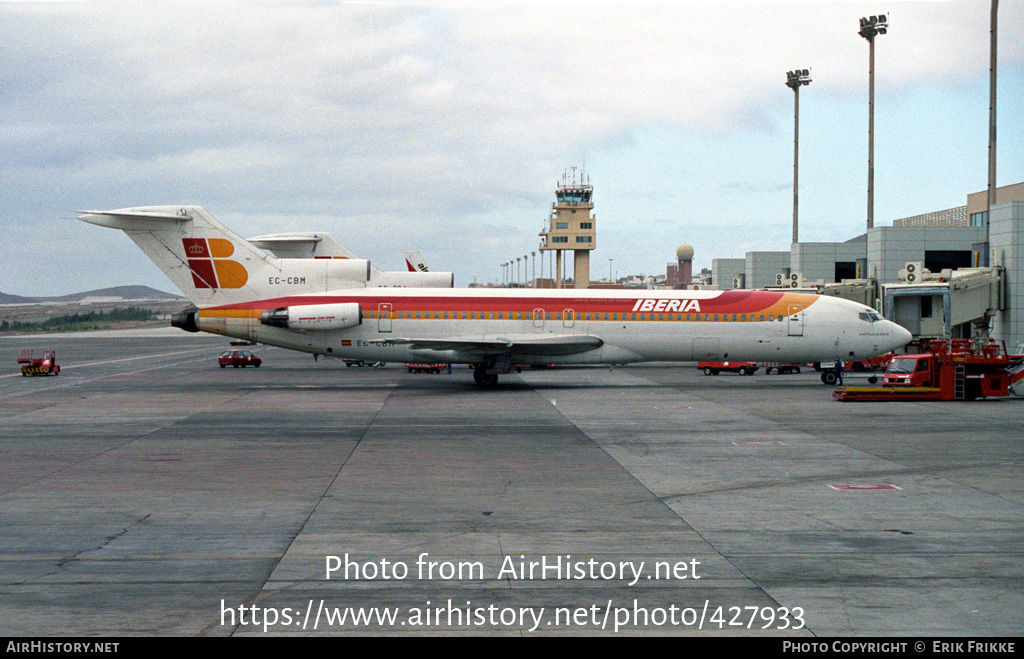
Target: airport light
{"x": 869, "y": 29}
{"x": 993, "y": 24}
{"x": 534, "y": 271}
{"x": 795, "y": 80}
{"x": 526, "y": 268}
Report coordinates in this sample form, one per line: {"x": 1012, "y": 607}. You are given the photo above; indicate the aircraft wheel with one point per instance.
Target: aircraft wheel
{"x": 485, "y": 379}
{"x": 828, "y": 377}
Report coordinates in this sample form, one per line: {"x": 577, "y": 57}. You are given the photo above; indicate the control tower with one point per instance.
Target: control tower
{"x": 571, "y": 227}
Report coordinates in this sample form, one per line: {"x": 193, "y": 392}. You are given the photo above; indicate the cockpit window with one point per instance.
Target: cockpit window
{"x": 870, "y": 316}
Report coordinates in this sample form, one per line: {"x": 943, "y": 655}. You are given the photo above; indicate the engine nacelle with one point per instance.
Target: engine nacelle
{"x": 315, "y": 317}
{"x": 413, "y": 280}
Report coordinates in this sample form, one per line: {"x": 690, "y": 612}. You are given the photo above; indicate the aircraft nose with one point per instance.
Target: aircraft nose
{"x": 901, "y": 336}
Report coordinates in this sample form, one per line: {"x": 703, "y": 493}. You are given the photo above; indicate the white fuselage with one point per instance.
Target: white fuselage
{"x": 633, "y": 326}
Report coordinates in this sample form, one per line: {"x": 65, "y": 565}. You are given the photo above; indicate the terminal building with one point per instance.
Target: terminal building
{"x": 954, "y": 272}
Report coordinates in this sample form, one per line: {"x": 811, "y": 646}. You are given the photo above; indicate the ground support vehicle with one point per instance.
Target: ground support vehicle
{"x": 779, "y": 368}
{"x": 361, "y": 363}
{"x": 951, "y": 369}
{"x": 45, "y": 365}
{"x": 714, "y": 368}
{"x": 874, "y": 364}
{"x": 425, "y": 368}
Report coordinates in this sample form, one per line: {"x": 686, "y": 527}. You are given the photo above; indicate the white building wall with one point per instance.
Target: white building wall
{"x": 891, "y": 248}
{"x": 724, "y": 270}
{"x": 1006, "y": 239}
{"x": 818, "y": 260}
{"x": 761, "y": 267}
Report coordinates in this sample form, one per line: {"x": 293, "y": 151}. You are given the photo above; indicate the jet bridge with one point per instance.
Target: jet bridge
{"x": 945, "y": 304}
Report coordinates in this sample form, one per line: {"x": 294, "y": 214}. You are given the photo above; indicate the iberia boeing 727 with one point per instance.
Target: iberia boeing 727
{"x": 324, "y": 307}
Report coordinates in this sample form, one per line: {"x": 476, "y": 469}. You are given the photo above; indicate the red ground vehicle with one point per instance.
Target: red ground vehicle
{"x": 951, "y": 369}
{"x": 781, "y": 368}
{"x": 874, "y": 364}
{"x": 425, "y": 368}
{"x": 238, "y": 358}
{"x": 45, "y": 365}
{"x": 714, "y": 368}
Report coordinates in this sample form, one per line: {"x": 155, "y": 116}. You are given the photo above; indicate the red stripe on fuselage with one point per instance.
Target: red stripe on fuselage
{"x": 727, "y": 302}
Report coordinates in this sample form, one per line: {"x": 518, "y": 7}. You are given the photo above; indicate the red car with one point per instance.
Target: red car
{"x": 238, "y": 358}
{"x": 714, "y": 368}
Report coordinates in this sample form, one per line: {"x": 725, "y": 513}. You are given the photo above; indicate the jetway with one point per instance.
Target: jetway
{"x": 948, "y": 304}
{"x": 953, "y": 303}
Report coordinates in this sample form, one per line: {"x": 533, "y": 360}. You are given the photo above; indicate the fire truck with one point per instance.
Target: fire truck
{"x": 950, "y": 369}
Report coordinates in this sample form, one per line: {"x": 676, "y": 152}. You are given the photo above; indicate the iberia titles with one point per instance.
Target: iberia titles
{"x": 678, "y": 306}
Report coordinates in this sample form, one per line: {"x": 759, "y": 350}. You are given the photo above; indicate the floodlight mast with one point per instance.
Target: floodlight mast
{"x": 993, "y": 52}
{"x": 794, "y": 80}
{"x": 869, "y": 28}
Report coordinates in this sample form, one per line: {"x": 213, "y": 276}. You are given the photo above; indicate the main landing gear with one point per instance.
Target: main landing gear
{"x": 483, "y": 378}
{"x": 486, "y": 373}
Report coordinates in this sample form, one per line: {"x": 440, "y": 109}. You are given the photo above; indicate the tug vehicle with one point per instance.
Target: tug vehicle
{"x": 950, "y": 369}
{"x": 45, "y": 365}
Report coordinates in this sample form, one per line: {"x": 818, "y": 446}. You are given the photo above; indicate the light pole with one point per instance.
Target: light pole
{"x": 610, "y": 280}
{"x": 526, "y": 268}
{"x": 991, "y": 125}
{"x": 795, "y": 80}
{"x": 869, "y": 28}
{"x": 534, "y": 271}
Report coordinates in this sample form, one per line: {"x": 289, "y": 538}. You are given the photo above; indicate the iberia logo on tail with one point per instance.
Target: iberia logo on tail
{"x": 210, "y": 265}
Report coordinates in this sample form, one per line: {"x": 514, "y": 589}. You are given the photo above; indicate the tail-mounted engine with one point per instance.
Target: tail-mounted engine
{"x": 314, "y": 317}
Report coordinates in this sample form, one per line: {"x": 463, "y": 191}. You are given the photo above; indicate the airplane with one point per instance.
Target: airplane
{"x": 310, "y": 245}
{"x": 321, "y": 306}
{"x": 415, "y": 262}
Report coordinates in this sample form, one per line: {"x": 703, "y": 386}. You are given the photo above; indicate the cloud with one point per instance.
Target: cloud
{"x": 396, "y": 114}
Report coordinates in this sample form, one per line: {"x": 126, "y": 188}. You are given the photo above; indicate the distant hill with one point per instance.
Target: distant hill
{"x": 123, "y": 292}
{"x": 6, "y": 298}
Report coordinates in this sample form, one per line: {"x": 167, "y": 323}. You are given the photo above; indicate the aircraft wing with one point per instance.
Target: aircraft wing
{"x": 547, "y": 345}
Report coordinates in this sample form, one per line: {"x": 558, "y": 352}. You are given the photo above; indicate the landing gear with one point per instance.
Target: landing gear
{"x": 483, "y": 378}
{"x": 828, "y": 377}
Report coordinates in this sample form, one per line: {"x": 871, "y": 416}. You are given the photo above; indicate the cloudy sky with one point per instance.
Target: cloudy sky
{"x": 445, "y": 126}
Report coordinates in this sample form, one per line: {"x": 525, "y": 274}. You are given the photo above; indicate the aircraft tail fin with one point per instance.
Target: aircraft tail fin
{"x": 213, "y": 266}
{"x": 415, "y": 262}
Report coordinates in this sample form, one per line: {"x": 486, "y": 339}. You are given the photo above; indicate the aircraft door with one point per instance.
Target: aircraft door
{"x": 796, "y": 320}
{"x": 568, "y": 318}
{"x": 384, "y": 312}
{"x": 538, "y": 319}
